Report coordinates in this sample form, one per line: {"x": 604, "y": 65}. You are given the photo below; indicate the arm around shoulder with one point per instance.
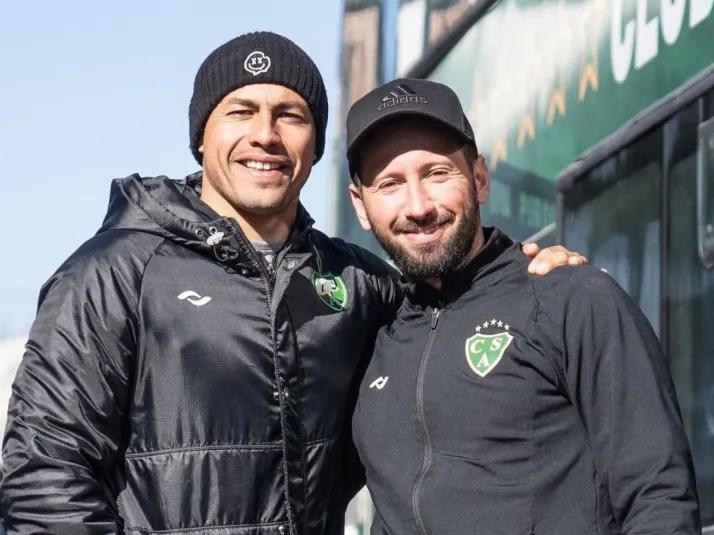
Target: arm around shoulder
{"x": 615, "y": 372}
{"x": 384, "y": 279}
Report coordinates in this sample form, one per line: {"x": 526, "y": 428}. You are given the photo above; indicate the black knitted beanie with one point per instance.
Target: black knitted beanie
{"x": 256, "y": 58}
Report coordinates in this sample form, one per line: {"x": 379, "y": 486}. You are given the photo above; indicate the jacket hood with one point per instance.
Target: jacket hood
{"x": 173, "y": 210}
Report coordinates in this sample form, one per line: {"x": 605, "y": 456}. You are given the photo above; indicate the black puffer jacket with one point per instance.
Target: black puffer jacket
{"x": 173, "y": 383}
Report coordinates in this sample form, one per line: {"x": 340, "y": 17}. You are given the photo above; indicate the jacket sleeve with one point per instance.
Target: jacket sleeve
{"x": 616, "y": 375}
{"x": 352, "y": 475}
{"x": 385, "y": 281}
{"x": 350, "y": 480}
{"x": 68, "y": 403}
{"x": 388, "y": 287}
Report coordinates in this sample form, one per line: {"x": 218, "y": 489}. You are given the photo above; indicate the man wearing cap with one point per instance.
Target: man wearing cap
{"x": 191, "y": 366}
{"x": 498, "y": 402}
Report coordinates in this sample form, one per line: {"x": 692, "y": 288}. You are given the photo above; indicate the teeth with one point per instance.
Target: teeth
{"x": 262, "y": 166}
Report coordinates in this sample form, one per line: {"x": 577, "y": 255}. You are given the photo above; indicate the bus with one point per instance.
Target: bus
{"x": 596, "y": 118}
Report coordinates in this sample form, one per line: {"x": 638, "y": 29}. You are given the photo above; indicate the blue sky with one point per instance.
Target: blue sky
{"x": 98, "y": 90}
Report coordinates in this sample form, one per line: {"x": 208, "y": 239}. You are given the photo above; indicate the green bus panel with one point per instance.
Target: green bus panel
{"x": 544, "y": 81}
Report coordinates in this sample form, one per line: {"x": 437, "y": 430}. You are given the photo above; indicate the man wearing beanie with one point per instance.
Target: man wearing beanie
{"x": 192, "y": 367}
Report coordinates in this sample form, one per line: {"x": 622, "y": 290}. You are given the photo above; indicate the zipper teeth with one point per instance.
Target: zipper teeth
{"x": 425, "y": 432}
{"x": 268, "y": 283}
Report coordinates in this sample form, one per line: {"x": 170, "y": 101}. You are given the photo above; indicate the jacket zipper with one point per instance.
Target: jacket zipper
{"x": 270, "y": 264}
{"x": 268, "y": 277}
{"x": 422, "y": 422}
{"x": 255, "y": 258}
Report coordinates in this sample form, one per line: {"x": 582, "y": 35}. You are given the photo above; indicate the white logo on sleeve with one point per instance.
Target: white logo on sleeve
{"x": 379, "y": 382}
{"x": 193, "y": 298}
{"x": 256, "y": 62}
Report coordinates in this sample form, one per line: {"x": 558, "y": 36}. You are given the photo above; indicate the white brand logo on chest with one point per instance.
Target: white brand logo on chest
{"x": 193, "y": 298}
{"x": 379, "y": 383}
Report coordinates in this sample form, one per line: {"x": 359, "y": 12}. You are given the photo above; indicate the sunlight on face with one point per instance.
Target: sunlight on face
{"x": 258, "y": 148}
{"x": 420, "y": 196}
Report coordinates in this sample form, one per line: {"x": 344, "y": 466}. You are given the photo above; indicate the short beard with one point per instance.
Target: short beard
{"x": 435, "y": 260}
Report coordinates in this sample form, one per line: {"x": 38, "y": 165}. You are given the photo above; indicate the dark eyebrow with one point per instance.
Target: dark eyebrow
{"x": 235, "y": 101}
{"x": 428, "y": 166}
{"x": 290, "y": 105}
{"x": 282, "y": 106}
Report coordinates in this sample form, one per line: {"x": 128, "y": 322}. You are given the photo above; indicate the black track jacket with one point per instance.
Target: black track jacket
{"x": 172, "y": 383}
{"x": 512, "y": 404}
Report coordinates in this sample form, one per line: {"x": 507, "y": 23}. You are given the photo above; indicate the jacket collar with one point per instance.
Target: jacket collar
{"x": 173, "y": 209}
{"x": 234, "y": 247}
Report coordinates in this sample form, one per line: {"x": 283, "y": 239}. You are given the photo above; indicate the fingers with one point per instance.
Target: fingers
{"x": 577, "y": 260}
{"x": 551, "y": 258}
{"x": 531, "y": 249}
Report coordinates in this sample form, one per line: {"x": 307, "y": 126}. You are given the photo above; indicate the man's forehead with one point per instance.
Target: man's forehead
{"x": 414, "y": 152}
{"x": 265, "y": 94}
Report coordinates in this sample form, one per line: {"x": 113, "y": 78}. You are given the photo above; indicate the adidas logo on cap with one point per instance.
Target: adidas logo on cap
{"x": 403, "y": 94}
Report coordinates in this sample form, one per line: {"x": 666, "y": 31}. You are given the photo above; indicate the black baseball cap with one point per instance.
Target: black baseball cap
{"x": 404, "y": 97}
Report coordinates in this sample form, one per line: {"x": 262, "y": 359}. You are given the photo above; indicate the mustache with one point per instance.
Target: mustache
{"x": 413, "y": 225}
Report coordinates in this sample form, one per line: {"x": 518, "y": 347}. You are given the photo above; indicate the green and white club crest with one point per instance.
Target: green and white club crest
{"x": 484, "y": 351}
{"x": 331, "y": 290}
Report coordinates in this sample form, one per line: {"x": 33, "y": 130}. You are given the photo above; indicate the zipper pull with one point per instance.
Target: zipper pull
{"x": 435, "y": 317}
{"x": 269, "y": 259}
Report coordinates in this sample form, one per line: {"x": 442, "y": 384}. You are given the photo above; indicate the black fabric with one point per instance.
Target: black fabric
{"x": 576, "y": 429}
{"x": 402, "y": 98}
{"x": 242, "y": 61}
{"x": 171, "y": 384}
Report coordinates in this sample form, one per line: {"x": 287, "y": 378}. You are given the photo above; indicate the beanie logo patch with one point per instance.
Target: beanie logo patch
{"x": 257, "y": 62}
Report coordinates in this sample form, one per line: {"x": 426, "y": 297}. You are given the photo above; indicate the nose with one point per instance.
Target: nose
{"x": 262, "y": 131}
{"x": 418, "y": 205}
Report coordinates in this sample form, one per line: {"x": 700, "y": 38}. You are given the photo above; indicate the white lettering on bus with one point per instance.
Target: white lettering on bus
{"x": 647, "y": 39}
{"x": 672, "y": 18}
{"x": 640, "y": 36}
{"x": 621, "y": 47}
{"x": 699, "y": 10}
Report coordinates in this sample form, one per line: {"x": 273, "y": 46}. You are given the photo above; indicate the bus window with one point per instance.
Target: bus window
{"x": 544, "y": 237}
{"x": 705, "y": 193}
{"x": 688, "y": 301}
{"x": 612, "y": 216}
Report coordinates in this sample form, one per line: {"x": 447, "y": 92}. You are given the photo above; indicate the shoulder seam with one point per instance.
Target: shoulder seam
{"x": 559, "y": 373}
{"x": 137, "y": 300}
{"x": 139, "y": 316}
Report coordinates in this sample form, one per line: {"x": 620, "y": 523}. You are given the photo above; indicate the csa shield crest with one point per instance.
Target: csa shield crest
{"x": 331, "y": 290}
{"x": 484, "y": 351}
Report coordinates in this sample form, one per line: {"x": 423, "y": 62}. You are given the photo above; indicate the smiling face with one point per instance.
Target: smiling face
{"x": 420, "y": 192}
{"x": 258, "y": 148}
